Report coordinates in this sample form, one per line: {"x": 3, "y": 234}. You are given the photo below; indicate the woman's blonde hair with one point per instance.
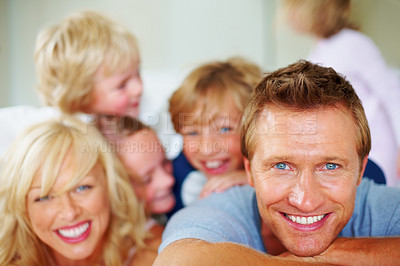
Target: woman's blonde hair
{"x": 40, "y": 151}
{"x": 209, "y": 85}
{"x": 68, "y": 56}
{"x": 322, "y": 18}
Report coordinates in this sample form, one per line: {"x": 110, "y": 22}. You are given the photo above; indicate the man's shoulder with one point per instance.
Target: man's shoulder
{"x": 241, "y": 194}
{"x": 230, "y": 216}
{"x": 368, "y": 190}
{"x": 237, "y": 201}
{"x": 376, "y": 211}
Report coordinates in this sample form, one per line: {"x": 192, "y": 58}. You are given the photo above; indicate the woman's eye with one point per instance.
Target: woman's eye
{"x": 331, "y": 166}
{"x": 282, "y": 166}
{"x": 82, "y": 188}
{"x": 44, "y": 198}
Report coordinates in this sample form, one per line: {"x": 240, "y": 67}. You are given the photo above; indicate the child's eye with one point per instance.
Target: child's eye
{"x": 144, "y": 182}
{"x": 330, "y": 166}
{"x": 44, "y": 198}
{"x": 147, "y": 180}
{"x": 82, "y": 188}
{"x": 167, "y": 165}
{"x": 190, "y": 133}
{"x": 225, "y": 129}
{"x": 282, "y": 166}
{"x": 122, "y": 86}
{"x": 137, "y": 73}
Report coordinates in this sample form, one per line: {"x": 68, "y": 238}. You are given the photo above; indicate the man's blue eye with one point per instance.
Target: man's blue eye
{"x": 281, "y": 166}
{"x": 331, "y": 166}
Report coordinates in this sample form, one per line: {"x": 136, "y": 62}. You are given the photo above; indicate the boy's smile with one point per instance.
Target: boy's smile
{"x": 214, "y": 147}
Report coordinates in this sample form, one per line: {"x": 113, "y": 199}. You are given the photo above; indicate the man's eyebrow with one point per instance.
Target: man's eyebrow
{"x": 278, "y": 158}
{"x": 342, "y": 160}
{"x": 289, "y": 158}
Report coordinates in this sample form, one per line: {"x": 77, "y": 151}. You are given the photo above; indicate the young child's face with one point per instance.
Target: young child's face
{"x": 117, "y": 94}
{"x": 144, "y": 157}
{"x": 213, "y": 147}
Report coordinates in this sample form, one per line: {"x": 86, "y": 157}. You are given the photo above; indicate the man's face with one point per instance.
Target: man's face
{"x": 305, "y": 171}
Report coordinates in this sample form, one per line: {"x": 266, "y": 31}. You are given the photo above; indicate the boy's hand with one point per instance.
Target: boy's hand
{"x": 221, "y": 183}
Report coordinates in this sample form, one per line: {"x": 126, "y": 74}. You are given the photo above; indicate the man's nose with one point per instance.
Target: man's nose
{"x": 307, "y": 194}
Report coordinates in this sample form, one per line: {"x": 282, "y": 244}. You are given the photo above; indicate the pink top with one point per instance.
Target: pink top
{"x": 354, "y": 55}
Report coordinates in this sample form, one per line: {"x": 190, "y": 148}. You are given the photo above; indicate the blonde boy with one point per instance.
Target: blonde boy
{"x": 206, "y": 110}
{"x": 90, "y": 64}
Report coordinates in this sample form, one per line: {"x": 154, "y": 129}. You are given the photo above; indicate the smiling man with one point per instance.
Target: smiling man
{"x": 305, "y": 141}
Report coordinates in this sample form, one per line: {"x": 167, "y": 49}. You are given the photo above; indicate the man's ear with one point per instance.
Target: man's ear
{"x": 248, "y": 172}
{"x": 364, "y": 164}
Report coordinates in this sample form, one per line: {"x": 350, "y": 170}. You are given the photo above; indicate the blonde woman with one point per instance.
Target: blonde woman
{"x": 65, "y": 199}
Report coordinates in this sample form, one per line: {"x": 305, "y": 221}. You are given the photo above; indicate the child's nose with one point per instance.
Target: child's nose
{"x": 135, "y": 87}
{"x": 208, "y": 144}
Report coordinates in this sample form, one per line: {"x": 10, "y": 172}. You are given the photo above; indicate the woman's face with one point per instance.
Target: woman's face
{"x": 72, "y": 224}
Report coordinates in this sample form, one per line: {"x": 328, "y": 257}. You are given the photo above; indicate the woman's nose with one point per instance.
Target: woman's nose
{"x": 69, "y": 209}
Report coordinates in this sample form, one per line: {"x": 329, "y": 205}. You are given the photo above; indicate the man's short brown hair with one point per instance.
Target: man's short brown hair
{"x": 304, "y": 86}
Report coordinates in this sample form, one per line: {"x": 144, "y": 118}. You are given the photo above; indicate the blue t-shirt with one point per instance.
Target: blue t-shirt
{"x": 233, "y": 216}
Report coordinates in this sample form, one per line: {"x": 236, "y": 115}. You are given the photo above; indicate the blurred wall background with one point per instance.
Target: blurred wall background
{"x": 179, "y": 34}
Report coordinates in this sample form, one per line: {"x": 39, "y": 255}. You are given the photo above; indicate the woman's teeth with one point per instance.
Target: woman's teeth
{"x": 74, "y": 232}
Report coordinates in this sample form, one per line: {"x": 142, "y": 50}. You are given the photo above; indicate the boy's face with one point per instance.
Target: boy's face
{"x": 117, "y": 94}
{"x": 213, "y": 145}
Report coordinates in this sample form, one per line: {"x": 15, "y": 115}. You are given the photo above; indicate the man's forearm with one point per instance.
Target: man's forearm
{"x": 198, "y": 252}
{"x": 358, "y": 251}
{"x": 363, "y": 251}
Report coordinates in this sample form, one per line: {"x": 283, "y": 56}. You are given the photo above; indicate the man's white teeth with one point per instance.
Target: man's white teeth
{"x": 305, "y": 220}
{"x": 74, "y": 232}
{"x": 213, "y": 164}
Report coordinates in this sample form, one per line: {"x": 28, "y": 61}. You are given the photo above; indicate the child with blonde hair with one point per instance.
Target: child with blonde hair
{"x": 88, "y": 63}
{"x": 206, "y": 110}
{"x": 339, "y": 44}
{"x": 150, "y": 172}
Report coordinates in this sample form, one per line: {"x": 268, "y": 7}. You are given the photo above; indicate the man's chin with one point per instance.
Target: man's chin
{"x": 308, "y": 249}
